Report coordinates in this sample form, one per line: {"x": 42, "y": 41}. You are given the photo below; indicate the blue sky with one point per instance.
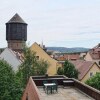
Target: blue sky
{"x": 65, "y": 23}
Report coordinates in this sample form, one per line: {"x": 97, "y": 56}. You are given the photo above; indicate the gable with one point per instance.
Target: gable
{"x": 94, "y": 69}
{"x": 11, "y": 58}
{"x": 88, "y": 57}
{"x": 41, "y": 53}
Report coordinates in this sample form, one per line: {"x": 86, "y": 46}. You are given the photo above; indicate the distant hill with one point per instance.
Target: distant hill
{"x": 68, "y": 50}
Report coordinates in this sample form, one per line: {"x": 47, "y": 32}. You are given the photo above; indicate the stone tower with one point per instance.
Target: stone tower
{"x": 16, "y": 33}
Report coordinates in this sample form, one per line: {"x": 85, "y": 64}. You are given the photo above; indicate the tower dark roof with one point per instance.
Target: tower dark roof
{"x": 16, "y": 19}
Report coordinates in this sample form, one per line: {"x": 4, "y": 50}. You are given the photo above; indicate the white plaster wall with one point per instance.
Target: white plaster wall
{"x": 11, "y": 58}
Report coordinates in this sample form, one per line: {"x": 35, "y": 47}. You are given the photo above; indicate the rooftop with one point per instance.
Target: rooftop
{"x": 69, "y": 93}
{"x": 83, "y": 67}
{"x": 95, "y": 52}
{"x": 68, "y": 89}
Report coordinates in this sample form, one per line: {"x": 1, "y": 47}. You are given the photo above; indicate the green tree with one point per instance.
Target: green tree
{"x": 31, "y": 66}
{"x": 68, "y": 69}
{"x": 9, "y": 87}
{"x": 41, "y": 67}
{"x": 26, "y": 68}
{"x": 94, "y": 81}
{"x": 60, "y": 71}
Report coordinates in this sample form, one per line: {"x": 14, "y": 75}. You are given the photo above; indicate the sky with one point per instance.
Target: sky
{"x": 60, "y": 23}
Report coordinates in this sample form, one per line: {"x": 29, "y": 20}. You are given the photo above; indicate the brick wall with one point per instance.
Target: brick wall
{"x": 31, "y": 91}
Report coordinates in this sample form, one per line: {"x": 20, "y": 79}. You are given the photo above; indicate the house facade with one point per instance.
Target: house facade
{"x": 13, "y": 58}
{"x": 86, "y": 69}
{"x": 94, "y": 54}
{"x": 41, "y": 54}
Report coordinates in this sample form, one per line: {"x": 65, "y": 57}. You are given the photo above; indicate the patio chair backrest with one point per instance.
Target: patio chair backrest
{"x": 55, "y": 81}
{"x": 44, "y": 82}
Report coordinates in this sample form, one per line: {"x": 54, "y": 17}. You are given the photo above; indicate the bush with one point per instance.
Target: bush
{"x": 94, "y": 81}
{"x": 68, "y": 69}
{"x": 9, "y": 86}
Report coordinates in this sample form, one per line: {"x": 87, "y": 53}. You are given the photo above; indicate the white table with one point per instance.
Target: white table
{"x": 49, "y": 86}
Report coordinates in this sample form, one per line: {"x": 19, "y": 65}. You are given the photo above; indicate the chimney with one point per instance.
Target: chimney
{"x": 99, "y": 53}
{"x": 99, "y": 45}
{"x": 93, "y": 50}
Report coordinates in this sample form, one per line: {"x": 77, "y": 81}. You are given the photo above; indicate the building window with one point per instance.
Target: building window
{"x": 37, "y": 57}
{"x": 91, "y": 74}
{"x": 99, "y": 62}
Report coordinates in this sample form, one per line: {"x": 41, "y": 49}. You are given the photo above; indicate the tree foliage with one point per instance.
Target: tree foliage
{"x": 60, "y": 71}
{"x": 41, "y": 67}
{"x": 31, "y": 66}
{"x": 12, "y": 84}
{"x": 94, "y": 81}
{"x": 25, "y": 70}
{"x": 10, "y": 88}
{"x": 68, "y": 69}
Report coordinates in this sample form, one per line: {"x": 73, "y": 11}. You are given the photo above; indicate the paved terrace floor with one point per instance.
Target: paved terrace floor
{"x": 68, "y": 93}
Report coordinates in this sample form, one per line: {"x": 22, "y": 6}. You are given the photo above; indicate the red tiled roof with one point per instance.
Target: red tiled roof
{"x": 19, "y": 56}
{"x": 95, "y": 52}
{"x": 61, "y": 58}
{"x": 83, "y": 67}
{"x": 69, "y": 57}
